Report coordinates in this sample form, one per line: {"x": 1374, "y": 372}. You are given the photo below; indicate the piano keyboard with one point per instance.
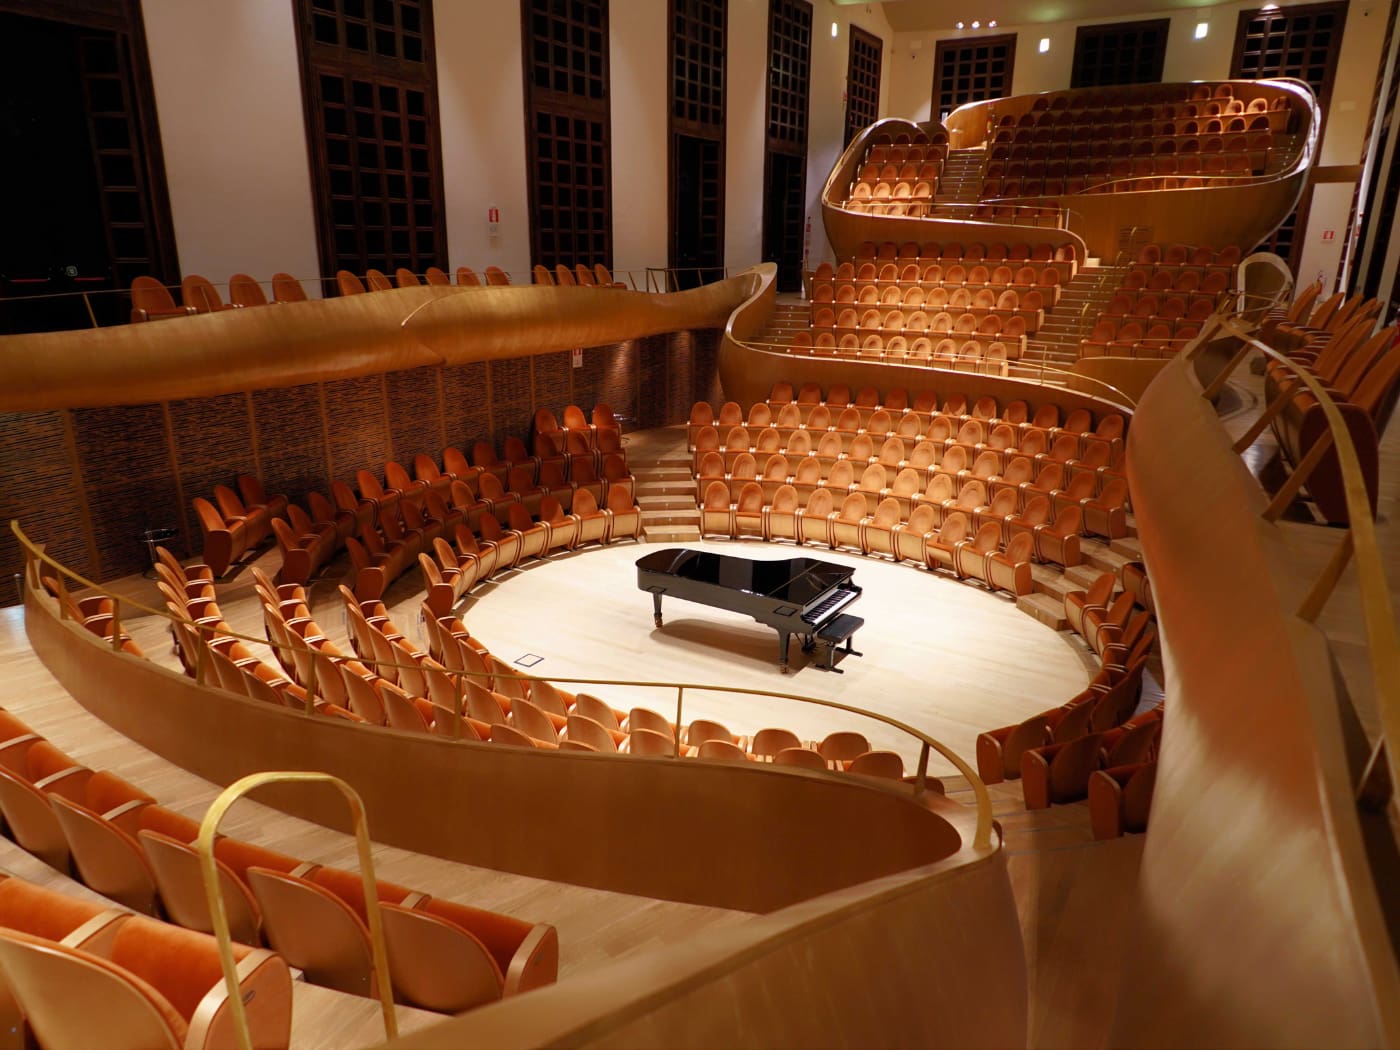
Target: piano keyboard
{"x": 834, "y": 601}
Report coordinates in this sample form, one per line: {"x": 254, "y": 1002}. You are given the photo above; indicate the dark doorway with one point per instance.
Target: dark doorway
{"x": 78, "y": 210}
{"x": 784, "y": 206}
{"x": 697, "y": 223}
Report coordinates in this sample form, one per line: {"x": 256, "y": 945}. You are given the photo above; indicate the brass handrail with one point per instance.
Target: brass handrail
{"x": 214, "y": 894}
{"x": 1359, "y": 540}
{"x": 983, "y": 835}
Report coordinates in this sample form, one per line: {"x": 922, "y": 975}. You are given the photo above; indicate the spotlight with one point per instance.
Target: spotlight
{"x": 976, "y": 25}
{"x": 1202, "y": 28}
{"x": 1044, "y": 44}
{"x": 992, "y": 24}
{"x": 834, "y": 30}
{"x": 960, "y": 25}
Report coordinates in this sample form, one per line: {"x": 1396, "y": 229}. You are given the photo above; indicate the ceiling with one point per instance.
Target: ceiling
{"x": 921, "y": 16}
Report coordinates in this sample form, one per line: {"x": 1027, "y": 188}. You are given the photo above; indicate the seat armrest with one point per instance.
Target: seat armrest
{"x": 535, "y": 963}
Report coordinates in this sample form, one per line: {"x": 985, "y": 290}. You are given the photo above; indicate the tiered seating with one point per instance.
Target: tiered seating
{"x": 1162, "y": 301}
{"x": 1081, "y": 143}
{"x": 1023, "y": 474}
{"x": 238, "y": 524}
{"x": 126, "y": 846}
{"x": 954, "y": 305}
{"x": 899, "y": 175}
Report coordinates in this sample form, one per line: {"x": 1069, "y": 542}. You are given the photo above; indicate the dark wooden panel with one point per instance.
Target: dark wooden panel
{"x": 466, "y": 400}
{"x": 510, "y": 380}
{"x": 291, "y": 442}
{"x": 127, "y": 479}
{"x": 415, "y": 418}
{"x": 213, "y": 445}
{"x": 358, "y": 435}
{"x": 38, "y": 491}
{"x": 511, "y": 419}
{"x": 618, "y": 389}
{"x": 553, "y": 382}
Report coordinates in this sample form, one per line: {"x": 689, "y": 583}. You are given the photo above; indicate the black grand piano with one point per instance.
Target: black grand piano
{"x": 795, "y": 596}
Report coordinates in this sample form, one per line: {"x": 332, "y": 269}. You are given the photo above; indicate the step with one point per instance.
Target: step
{"x": 1128, "y": 547}
{"x": 653, "y": 502}
{"x": 1103, "y": 558}
{"x": 1082, "y": 577}
{"x": 1044, "y": 608}
{"x": 670, "y": 534}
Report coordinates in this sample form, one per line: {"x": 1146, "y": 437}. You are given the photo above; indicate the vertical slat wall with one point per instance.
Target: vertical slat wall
{"x": 133, "y": 468}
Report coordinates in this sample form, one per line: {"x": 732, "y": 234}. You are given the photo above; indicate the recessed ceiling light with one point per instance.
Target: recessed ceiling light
{"x": 1044, "y": 44}
{"x": 1202, "y": 28}
{"x": 976, "y": 25}
{"x": 992, "y": 24}
{"x": 834, "y": 29}
{"x": 960, "y": 25}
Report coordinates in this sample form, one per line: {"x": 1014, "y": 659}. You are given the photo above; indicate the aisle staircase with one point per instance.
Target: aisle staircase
{"x": 1056, "y": 342}
{"x": 962, "y": 177}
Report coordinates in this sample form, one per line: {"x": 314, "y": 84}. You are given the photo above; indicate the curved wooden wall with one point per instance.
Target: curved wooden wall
{"x": 1259, "y": 923}
{"x": 754, "y": 839}
{"x": 927, "y": 958}
{"x": 320, "y": 340}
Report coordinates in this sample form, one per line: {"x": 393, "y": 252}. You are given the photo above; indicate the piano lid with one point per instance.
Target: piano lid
{"x": 794, "y": 581}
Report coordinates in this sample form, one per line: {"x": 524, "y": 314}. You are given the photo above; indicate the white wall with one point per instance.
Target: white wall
{"x": 637, "y": 79}
{"x": 746, "y": 131}
{"x": 481, "y": 100}
{"x": 827, "y": 113}
{"x": 228, "y": 99}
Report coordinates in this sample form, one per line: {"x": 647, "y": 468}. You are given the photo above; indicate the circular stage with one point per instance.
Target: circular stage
{"x": 946, "y": 657}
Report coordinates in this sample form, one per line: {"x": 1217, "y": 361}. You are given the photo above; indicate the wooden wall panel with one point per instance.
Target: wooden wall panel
{"x": 357, "y": 423}
{"x": 511, "y": 408}
{"x": 291, "y": 440}
{"x": 466, "y": 398}
{"x": 654, "y": 355}
{"x": 415, "y": 416}
{"x": 40, "y": 491}
{"x": 554, "y": 382}
{"x": 129, "y": 482}
{"x": 140, "y": 466}
{"x": 213, "y": 441}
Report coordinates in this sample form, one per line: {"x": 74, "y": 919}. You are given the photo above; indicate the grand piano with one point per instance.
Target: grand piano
{"x": 795, "y": 596}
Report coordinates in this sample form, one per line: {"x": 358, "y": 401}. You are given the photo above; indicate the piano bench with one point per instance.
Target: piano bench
{"x": 841, "y": 629}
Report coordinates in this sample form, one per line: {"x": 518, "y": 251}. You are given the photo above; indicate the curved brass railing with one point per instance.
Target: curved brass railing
{"x": 34, "y": 557}
{"x": 214, "y": 894}
{"x": 1358, "y": 540}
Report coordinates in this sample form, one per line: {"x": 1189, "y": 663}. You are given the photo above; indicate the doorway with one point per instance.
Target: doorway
{"x": 697, "y": 212}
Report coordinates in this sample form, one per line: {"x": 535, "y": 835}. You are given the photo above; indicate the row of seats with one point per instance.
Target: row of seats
{"x": 957, "y": 251}
{"x": 1022, "y": 495}
{"x": 97, "y": 614}
{"x": 809, "y": 399}
{"x": 950, "y": 544}
{"x": 850, "y": 320}
{"x": 1221, "y": 169}
{"x": 240, "y": 523}
{"x": 1030, "y": 304}
{"x": 894, "y": 415}
{"x": 935, "y": 282}
{"x": 960, "y": 354}
{"x": 596, "y": 277}
{"x": 348, "y": 283}
{"x": 124, "y": 845}
{"x": 1359, "y": 367}
{"x": 456, "y": 687}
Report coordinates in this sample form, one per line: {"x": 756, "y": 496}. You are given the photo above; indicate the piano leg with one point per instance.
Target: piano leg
{"x": 783, "y": 650}
{"x": 656, "y": 607}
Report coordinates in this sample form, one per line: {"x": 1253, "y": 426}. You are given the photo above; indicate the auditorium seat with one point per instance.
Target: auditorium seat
{"x": 152, "y": 985}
